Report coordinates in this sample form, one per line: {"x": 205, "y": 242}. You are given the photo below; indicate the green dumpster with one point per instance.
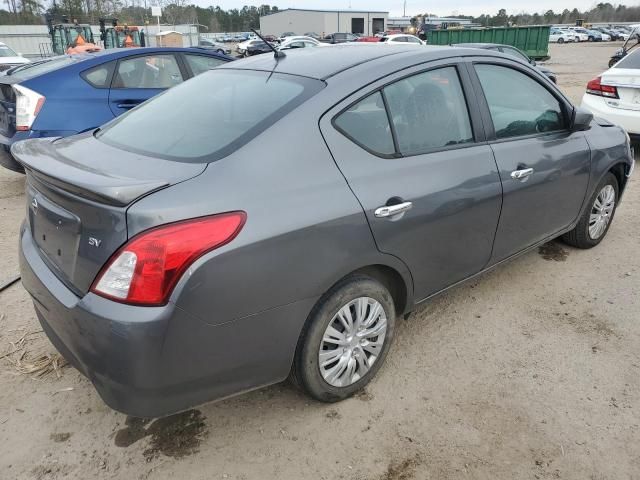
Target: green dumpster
{"x": 534, "y": 41}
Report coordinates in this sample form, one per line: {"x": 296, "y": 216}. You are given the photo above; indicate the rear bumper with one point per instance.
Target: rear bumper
{"x": 627, "y": 119}
{"x": 6, "y": 159}
{"x": 154, "y": 361}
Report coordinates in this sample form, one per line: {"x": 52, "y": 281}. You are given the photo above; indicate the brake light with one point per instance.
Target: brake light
{"x": 145, "y": 270}
{"x": 28, "y": 105}
{"x": 594, "y": 87}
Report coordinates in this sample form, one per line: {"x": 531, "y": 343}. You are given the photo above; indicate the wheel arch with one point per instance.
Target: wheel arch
{"x": 619, "y": 170}
{"x": 392, "y": 281}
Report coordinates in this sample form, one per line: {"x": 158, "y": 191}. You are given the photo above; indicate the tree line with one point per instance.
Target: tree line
{"x": 601, "y": 13}
{"x": 215, "y": 19}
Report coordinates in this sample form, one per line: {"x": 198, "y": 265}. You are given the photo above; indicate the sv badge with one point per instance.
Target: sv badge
{"x": 94, "y": 242}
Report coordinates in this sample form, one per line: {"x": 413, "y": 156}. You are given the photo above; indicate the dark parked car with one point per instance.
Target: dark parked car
{"x": 173, "y": 262}
{"x": 334, "y": 38}
{"x": 69, "y": 94}
{"x": 514, "y": 52}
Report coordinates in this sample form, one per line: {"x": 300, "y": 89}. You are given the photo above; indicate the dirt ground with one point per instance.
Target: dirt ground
{"x": 530, "y": 372}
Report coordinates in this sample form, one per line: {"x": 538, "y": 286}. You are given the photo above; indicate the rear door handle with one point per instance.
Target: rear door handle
{"x": 128, "y": 105}
{"x": 521, "y": 174}
{"x": 391, "y": 210}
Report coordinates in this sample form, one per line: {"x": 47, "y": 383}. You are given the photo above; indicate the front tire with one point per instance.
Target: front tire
{"x": 345, "y": 340}
{"x": 597, "y": 217}
{"x": 561, "y": 40}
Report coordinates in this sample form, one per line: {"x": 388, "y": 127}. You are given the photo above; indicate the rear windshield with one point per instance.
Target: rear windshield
{"x": 209, "y": 116}
{"x": 7, "y": 52}
{"x": 31, "y": 70}
{"x": 630, "y": 61}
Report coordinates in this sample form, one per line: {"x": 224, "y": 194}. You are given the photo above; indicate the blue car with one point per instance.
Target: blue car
{"x": 70, "y": 94}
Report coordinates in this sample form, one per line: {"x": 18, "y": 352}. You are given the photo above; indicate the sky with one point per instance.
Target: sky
{"x": 438, "y": 7}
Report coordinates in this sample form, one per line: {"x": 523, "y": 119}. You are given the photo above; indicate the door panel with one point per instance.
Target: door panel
{"x": 141, "y": 77}
{"x": 547, "y": 201}
{"x": 544, "y": 167}
{"x": 454, "y": 193}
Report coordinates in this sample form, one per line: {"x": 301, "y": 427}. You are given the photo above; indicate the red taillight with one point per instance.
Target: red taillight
{"x": 595, "y": 87}
{"x": 145, "y": 270}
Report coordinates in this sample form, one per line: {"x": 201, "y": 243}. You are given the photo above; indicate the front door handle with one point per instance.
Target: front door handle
{"x": 521, "y": 174}
{"x": 391, "y": 210}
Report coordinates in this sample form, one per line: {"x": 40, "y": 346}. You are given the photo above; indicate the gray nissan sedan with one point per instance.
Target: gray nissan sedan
{"x": 273, "y": 217}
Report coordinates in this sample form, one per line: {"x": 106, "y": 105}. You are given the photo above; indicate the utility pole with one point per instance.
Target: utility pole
{"x": 405, "y": 9}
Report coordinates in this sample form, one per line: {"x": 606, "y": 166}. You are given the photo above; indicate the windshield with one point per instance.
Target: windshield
{"x": 31, "y": 70}
{"x": 5, "y": 51}
{"x": 210, "y": 116}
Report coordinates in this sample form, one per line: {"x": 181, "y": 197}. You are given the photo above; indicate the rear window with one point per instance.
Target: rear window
{"x": 31, "y": 70}
{"x": 210, "y": 116}
{"x": 630, "y": 61}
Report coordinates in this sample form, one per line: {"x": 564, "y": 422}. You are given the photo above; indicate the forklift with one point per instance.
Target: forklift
{"x": 70, "y": 37}
{"x": 116, "y": 36}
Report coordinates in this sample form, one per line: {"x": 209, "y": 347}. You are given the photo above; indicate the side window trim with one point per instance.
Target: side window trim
{"x": 475, "y": 119}
{"x": 567, "y": 107}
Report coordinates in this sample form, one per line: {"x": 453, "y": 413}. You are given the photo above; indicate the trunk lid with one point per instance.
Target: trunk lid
{"x": 627, "y": 82}
{"x": 78, "y": 191}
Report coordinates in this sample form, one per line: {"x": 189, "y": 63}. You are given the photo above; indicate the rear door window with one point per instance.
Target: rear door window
{"x": 429, "y": 111}
{"x": 201, "y": 63}
{"x": 148, "y": 71}
{"x": 367, "y": 124}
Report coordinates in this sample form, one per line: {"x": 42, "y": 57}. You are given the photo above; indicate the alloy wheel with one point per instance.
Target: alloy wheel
{"x": 352, "y": 342}
{"x": 601, "y": 212}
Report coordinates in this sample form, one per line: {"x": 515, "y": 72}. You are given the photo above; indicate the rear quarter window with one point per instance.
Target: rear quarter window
{"x": 100, "y": 76}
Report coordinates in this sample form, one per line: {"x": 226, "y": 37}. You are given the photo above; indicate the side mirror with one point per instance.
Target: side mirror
{"x": 532, "y": 62}
{"x": 581, "y": 119}
{"x": 20, "y": 54}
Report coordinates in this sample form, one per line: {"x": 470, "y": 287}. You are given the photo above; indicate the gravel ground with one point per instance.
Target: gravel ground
{"x": 531, "y": 371}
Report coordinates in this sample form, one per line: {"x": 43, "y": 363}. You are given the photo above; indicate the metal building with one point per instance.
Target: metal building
{"x": 300, "y": 21}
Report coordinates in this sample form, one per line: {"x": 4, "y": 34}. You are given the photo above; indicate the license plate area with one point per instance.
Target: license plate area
{"x": 56, "y": 231}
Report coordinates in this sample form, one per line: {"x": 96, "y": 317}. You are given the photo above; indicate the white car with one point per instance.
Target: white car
{"x": 580, "y": 36}
{"x": 615, "y": 95}
{"x": 560, "y": 36}
{"x": 9, "y": 58}
{"x": 300, "y": 42}
{"x": 403, "y": 39}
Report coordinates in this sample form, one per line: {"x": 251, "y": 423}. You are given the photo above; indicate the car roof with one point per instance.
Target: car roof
{"x": 323, "y": 63}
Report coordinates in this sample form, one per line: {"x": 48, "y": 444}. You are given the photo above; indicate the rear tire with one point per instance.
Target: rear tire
{"x": 351, "y": 328}
{"x": 561, "y": 40}
{"x": 597, "y": 217}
